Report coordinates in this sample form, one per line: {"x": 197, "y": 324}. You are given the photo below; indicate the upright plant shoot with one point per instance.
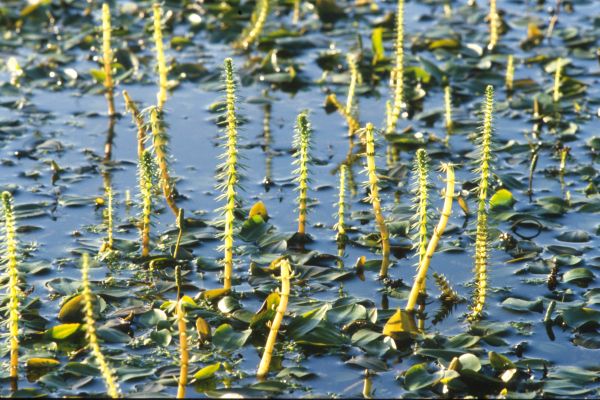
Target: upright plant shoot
{"x": 10, "y": 254}
{"x": 107, "y": 57}
{"x": 397, "y": 78}
{"x": 302, "y": 144}
{"x": 229, "y": 172}
{"x": 161, "y": 97}
{"x": 481, "y": 235}
{"x": 106, "y": 371}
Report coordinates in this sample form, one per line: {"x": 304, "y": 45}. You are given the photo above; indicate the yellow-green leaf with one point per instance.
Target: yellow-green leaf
{"x": 63, "y": 331}
{"x": 207, "y": 371}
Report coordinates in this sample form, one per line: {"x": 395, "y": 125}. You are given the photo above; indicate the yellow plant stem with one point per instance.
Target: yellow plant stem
{"x": 108, "y": 194}
{"x": 161, "y": 97}
{"x": 183, "y": 351}
{"x": 375, "y": 200}
{"x": 397, "y": 77}
{"x": 263, "y": 368}
{"x": 350, "y": 100}
{"x": 341, "y": 224}
{"x": 557, "y": 77}
{"x": 448, "y": 107}
{"x": 353, "y": 124}
{"x": 296, "y": 15}
{"x": 160, "y": 144}
{"x": 481, "y": 235}
{"x": 90, "y": 330}
{"x": 435, "y": 238}
{"x": 230, "y": 171}
{"x": 494, "y": 24}
{"x": 259, "y": 17}
{"x": 138, "y": 119}
{"x": 107, "y": 57}
{"x": 510, "y": 73}
{"x": 10, "y": 254}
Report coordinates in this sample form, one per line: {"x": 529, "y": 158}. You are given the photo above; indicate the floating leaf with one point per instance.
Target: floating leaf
{"x": 207, "y": 372}
{"x": 62, "y": 332}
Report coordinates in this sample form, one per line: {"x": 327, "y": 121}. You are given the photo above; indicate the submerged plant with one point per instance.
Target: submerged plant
{"x": 481, "y": 238}
{"x": 161, "y": 97}
{"x": 146, "y": 179}
{"x": 494, "y": 25}
{"x": 10, "y": 254}
{"x": 397, "y": 76}
{"x": 341, "y": 224}
{"x": 435, "y": 238}
{"x": 421, "y": 169}
{"x": 106, "y": 371}
{"x": 265, "y": 361}
{"x": 107, "y": 57}
{"x": 229, "y": 174}
{"x": 302, "y": 145}
{"x": 375, "y": 200}
{"x": 557, "y": 78}
{"x": 160, "y": 143}
{"x": 257, "y": 23}
{"x": 510, "y": 73}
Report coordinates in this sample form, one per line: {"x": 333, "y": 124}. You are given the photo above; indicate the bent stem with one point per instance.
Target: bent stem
{"x": 375, "y": 201}
{"x": 138, "y": 119}
{"x": 112, "y": 386}
{"x": 263, "y": 368}
{"x": 10, "y": 254}
{"x": 435, "y": 238}
{"x": 160, "y": 142}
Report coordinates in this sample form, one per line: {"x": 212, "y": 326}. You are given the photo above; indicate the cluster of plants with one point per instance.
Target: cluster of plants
{"x": 281, "y": 276}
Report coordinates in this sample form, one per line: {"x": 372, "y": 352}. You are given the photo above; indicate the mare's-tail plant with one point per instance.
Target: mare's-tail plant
{"x": 160, "y": 142}
{"x": 107, "y": 57}
{"x": 184, "y": 354}
{"x": 375, "y": 200}
{"x": 138, "y": 119}
{"x": 557, "y": 78}
{"x": 494, "y": 25}
{"x": 296, "y": 13}
{"x": 161, "y": 97}
{"x": 257, "y": 23}
{"x": 302, "y": 145}
{"x": 435, "y": 238}
{"x": 420, "y": 189}
{"x": 510, "y": 73}
{"x": 10, "y": 254}
{"x": 448, "y": 109}
{"x": 340, "y": 226}
{"x": 108, "y": 214}
{"x": 112, "y": 387}
{"x": 146, "y": 179}
{"x": 229, "y": 172}
{"x": 354, "y": 78}
{"x": 481, "y": 235}
{"x": 265, "y": 362}
{"x": 394, "y": 108}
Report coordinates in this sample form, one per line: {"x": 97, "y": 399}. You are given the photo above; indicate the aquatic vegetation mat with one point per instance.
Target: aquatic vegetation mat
{"x": 304, "y": 198}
